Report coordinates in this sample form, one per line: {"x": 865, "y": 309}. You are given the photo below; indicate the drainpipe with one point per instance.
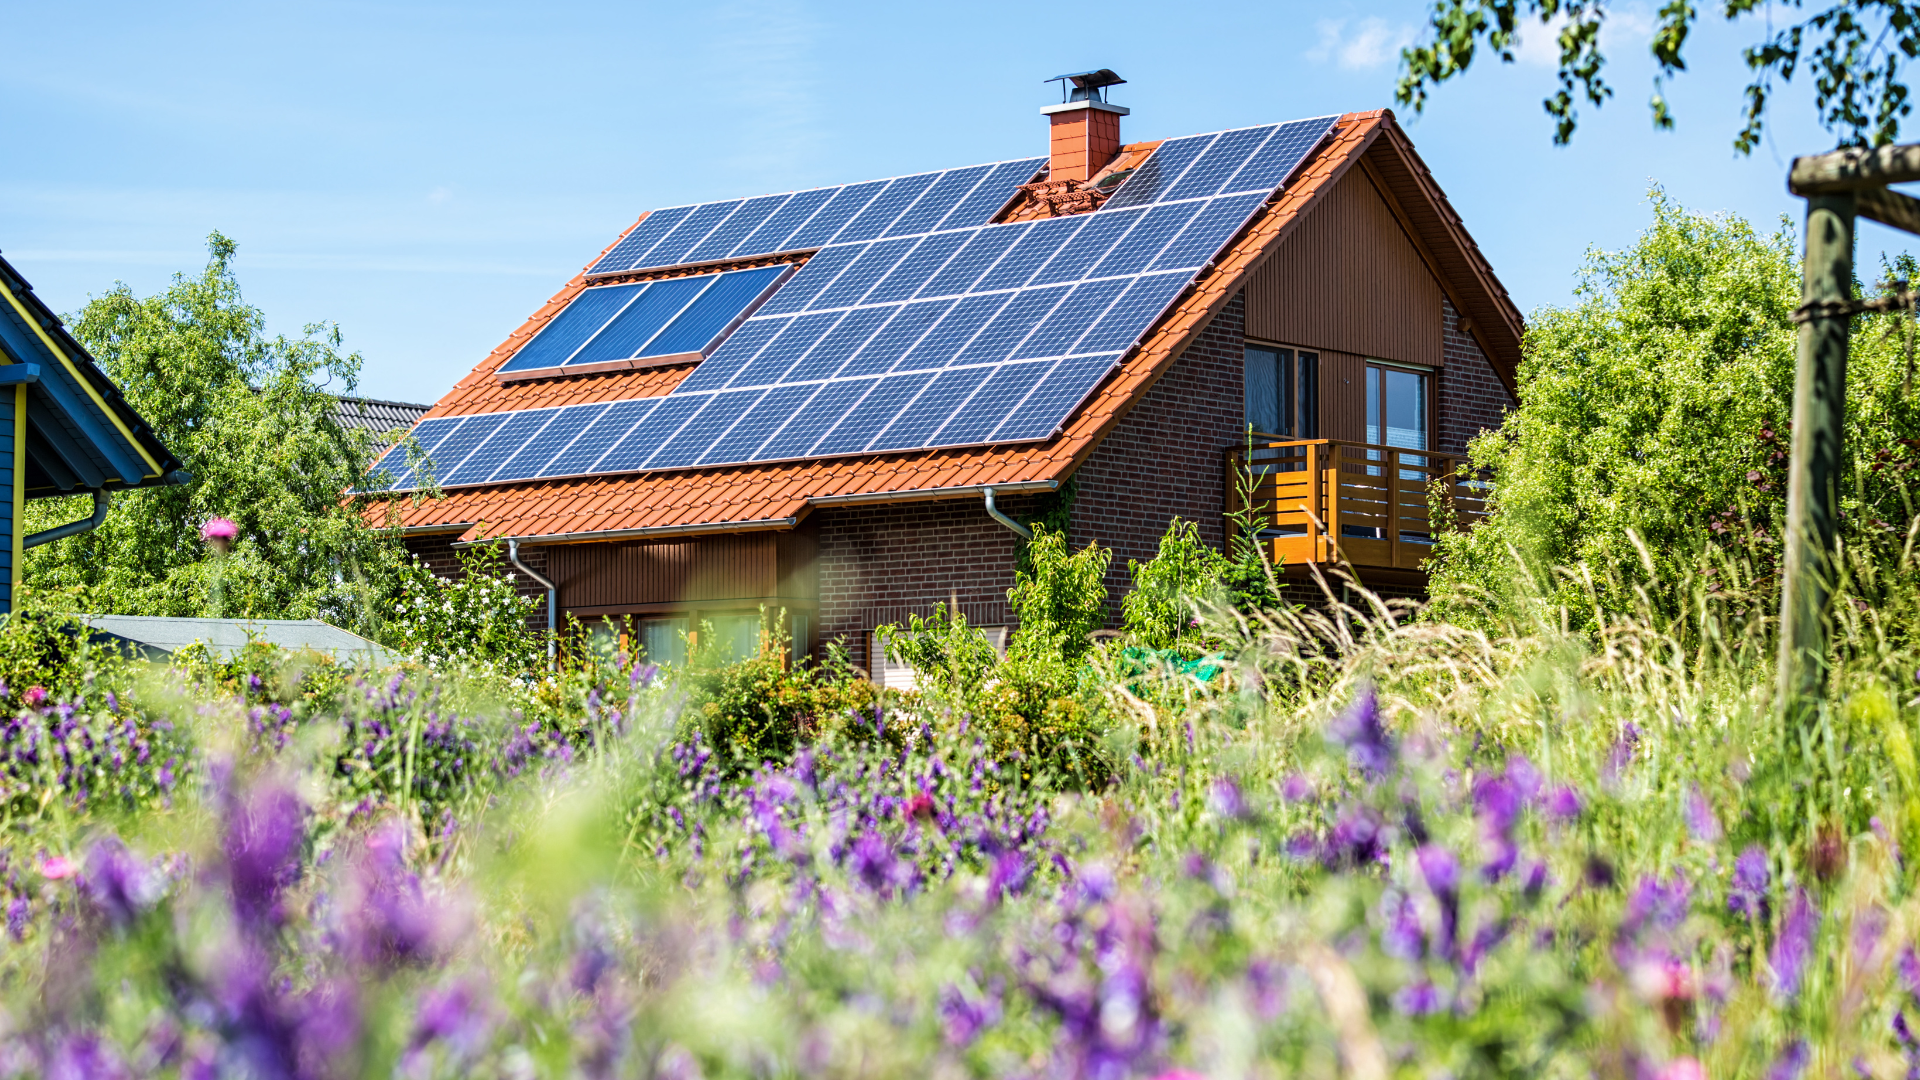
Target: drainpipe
{"x": 994, "y": 511}
{"x": 513, "y": 556}
{"x": 72, "y": 528}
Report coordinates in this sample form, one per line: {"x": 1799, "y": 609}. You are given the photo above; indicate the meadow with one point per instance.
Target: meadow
{"x": 1354, "y": 841}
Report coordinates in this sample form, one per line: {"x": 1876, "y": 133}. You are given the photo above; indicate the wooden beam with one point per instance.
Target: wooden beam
{"x": 1889, "y": 208}
{"x": 1854, "y": 168}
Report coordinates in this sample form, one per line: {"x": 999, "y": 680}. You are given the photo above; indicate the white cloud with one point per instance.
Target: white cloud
{"x": 1627, "y": 27}
{"x": 1357, "y": 46}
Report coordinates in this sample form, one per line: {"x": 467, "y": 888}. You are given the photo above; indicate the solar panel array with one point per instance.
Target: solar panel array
{"x": 885, "y": 342}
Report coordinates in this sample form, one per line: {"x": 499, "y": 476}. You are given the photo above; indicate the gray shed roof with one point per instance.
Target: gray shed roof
{"x": 225, "y": 638}
{"x": 375, "y": 415}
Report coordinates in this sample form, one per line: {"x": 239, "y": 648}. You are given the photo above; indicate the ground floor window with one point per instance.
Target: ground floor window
{"x": 664, "y": 640}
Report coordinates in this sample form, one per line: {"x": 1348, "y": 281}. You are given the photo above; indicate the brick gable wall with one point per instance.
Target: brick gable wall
{"x": 1165, "y": 459}
{"x": 1472, "y": 397}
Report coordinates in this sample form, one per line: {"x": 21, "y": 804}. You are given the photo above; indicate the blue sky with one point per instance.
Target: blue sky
{"x": 426, "y": 176}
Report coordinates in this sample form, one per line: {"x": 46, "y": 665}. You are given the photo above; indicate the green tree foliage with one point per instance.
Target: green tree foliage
{"x": 1159, "y": 613}
{"x": 1059, "y": 596}
{"x": 250, "y": 416}
{"x": 1653, "y": 416}
{"x": 1855, "y": 50}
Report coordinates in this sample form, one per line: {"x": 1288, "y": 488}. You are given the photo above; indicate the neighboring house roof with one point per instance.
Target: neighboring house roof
{"x": 156, "y": 636}
{"x": 375, "y": 415}
{"x": 81, "y": 432}
{"x": 778, "y": 495}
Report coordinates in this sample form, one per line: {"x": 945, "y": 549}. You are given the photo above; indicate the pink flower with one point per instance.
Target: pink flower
{"x": 1682, "y": 1068}
{"x": 34, "y": 695}
{"x": 58, "y": 868}
{"x": 219, "y": 529}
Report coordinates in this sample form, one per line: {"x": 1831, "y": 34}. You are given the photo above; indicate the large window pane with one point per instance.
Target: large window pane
{"x": 664, "y": 640}
{"x": 1263, "y": 390}
{"x": 735, "y": 637}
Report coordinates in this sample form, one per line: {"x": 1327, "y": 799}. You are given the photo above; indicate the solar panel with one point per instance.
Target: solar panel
{"x": 493, "y": 451}
{"x": 916, "y": 324}
{"x": 675, "y": 317}
{"x": 451, "y": 451}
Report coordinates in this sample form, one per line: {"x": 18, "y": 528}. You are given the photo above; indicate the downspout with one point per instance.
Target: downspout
{"x": 994, "y": 511}
{"x": 72, "y": 528}
{"x": 553, "y": 592}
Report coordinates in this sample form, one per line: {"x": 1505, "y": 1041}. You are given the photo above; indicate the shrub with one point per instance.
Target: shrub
{"x": 1160, "y": 612}
{"x": 478, "y": 618}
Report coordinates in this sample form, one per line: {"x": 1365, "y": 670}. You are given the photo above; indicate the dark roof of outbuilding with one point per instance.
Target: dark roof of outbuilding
{"x": 376, "y": 415}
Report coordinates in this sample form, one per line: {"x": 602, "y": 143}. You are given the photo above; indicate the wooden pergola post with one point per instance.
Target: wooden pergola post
{"x": 1838, "y": 187}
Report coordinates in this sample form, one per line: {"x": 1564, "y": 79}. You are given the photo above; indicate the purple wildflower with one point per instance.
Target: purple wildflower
{"x": 1009, "y": 875}
{"x": 1356, "y": 839}
{"x": 1225, "y": 799}
{"x": 389, "y": 920}
{"x": 455, "y": 1015}
{"x": 264, "y": 836}
{"x": 1701, "y": 821}
{"x": 1869, "y": 926}
{"x": 1401, "y": 934}
{"x": 1297, "y": 789}
{"x": 19, "y": 913}
{"x": 963, "y": 1018}
{"x": 1791, "y": 1062}
{"x": 1440, "y": 869}
{"x": 1794, "y": 947}
{"x": 1909, "y": 968}
{"x": 1751, "y": 879}
{"x": 119, "y": 886}
{"x": 1657, "y": 905}
{"x": 1358, "y": 729}
{"x": 1417, "y": 999}
{"x": 1622, "y": 753}
{"x": 1563, "y": 804}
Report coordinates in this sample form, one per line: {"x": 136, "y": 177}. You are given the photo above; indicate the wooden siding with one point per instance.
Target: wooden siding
{"x": 708, "y": 572}
{"x": 1348, "y": 279}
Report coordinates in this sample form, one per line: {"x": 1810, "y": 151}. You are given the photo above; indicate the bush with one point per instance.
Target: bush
{"x": 477, "y": 619}
{"x": 1651, "y": 419}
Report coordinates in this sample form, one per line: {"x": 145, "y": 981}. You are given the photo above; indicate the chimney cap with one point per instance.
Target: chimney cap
{"x": 1086, "y": 85}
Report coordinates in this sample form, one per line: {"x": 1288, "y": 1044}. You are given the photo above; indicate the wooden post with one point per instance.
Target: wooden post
{"x": 1313, "y": 503}
{"x": 1335, "y": 453}
{"x": 1814, "y": 467}
{"x": 1393, "y": 508}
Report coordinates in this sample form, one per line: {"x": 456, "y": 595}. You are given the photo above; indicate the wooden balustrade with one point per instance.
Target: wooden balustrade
{"x": 1325, "y": 499}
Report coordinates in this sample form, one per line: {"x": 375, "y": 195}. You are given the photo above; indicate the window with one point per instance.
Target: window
{"x": 1398, "y": 415}
{"x": 1397, "y": 407}
{"x": 1283, "y": 392}
{"x": 884, "y": 670}
{"x": 645, "y": 323}
{"x": 735, "y": 637}
{"x": 802, "y": 627}
{"x": 664, "y": 640}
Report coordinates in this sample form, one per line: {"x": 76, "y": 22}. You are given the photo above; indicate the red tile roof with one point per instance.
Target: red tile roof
{"x": 734, "y": 498}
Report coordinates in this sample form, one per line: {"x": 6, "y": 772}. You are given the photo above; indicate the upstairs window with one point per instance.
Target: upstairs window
{"x": 644, "y": 324}
{"x": 1283, "y": 392}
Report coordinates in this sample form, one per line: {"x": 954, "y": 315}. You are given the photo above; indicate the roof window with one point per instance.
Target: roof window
{"x": 644, "y": 324}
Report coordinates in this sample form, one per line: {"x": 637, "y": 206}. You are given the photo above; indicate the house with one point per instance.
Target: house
{"x": 842, "y": 403}
{"x": 64, "y": 428}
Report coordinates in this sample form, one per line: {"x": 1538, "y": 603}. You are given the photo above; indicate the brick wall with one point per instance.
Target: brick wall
{"x": 1165, "y": 459}
{"x": 438, "y": 553}
{"x": 878, "y": 564}
{"x": 1472, "y": 398}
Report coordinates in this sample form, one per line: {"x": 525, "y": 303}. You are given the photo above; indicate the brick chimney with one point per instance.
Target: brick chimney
{"x": 1086, "y": 128}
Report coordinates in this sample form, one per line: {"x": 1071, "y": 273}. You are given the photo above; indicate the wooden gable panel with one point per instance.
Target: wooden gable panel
{"x": 1349, "y": 279}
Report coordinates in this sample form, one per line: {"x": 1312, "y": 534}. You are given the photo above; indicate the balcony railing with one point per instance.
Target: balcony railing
{"x": 1373, "y": 505}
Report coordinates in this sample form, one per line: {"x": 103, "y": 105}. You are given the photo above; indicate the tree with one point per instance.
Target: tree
{"x": 1856, "y": 49}
{"x": 252, "y": 419}
{"x": 1652, "y": 419}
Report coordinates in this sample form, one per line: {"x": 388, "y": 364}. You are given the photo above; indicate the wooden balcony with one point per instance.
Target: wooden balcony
{"x": 1371, "y": 505}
